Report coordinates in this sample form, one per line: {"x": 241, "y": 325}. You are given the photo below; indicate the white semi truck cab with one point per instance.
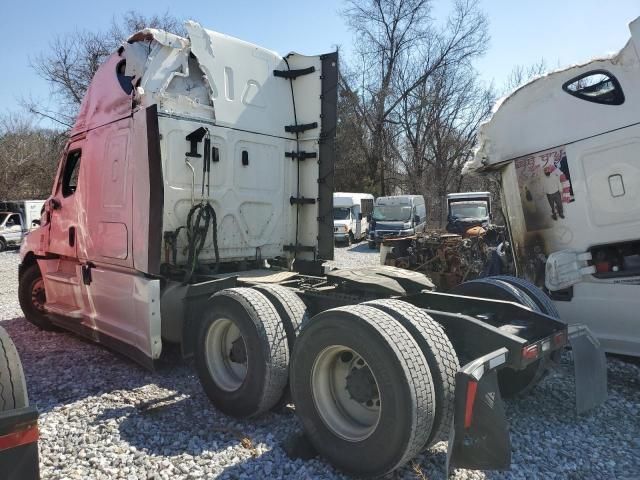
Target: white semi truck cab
{"x": 193, "y": 205}
{"x": 567, "y": 146}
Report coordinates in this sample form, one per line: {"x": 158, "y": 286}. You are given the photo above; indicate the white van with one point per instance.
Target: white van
{"x": 351, "y": 212}
{"x": 567, "y": 145}
{"x": 399, "y": 215}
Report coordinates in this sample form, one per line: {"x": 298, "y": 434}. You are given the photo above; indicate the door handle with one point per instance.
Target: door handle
{"x": 72, "y": 236}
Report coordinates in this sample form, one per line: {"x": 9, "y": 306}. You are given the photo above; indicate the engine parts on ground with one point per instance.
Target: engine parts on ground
{"x": 448, "y": 258}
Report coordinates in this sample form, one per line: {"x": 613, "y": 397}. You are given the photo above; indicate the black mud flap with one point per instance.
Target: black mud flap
{"x": 590, "y": 366}
{"x": 19, "y": 458}
{"x": 479, "y": 438}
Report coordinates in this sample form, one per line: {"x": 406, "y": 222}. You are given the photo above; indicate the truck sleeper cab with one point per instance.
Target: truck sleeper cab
{"x": 186, "y": 210}
{"x": 566, "y": 146}
{"x": 398, "y": 215}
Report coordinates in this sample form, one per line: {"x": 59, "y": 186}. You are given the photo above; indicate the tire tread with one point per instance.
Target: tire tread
{"x": 440, "y": 355}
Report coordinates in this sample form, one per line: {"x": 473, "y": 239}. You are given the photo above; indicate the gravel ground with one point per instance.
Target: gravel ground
{"x": 102, "y": 416}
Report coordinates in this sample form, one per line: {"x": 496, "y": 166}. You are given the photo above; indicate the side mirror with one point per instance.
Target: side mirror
{"x": 416, "y": 219}
{"x": 55, "y": 203}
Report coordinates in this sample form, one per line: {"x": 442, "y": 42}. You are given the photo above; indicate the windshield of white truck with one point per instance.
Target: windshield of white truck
{"x": 341, "y": 213}
{"x": 392, "y": 213}
{"x": 468, "y": 209}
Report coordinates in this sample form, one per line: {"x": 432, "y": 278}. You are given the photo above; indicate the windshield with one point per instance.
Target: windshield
{"x": 392, "y": 213}
{"x": 469, "y": 210}
{"x": 341, "y": 213}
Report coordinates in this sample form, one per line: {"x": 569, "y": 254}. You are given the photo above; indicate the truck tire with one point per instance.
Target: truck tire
{"x": 32, "y": 297}
{"x": 440, "y": 355}
{"x": 541, "y": 299}
{"x": 13, "y": 387}
{"x": 3, "y": 245}
{"x": 362, "y": 390}
{"x": 511, "y": 382}
{"x": 292, "y": 313}
{"x": 242, "y": 354}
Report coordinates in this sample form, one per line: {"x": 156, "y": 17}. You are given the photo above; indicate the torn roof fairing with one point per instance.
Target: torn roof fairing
{"x": 247, "y": 94}
{"x": 162, "y": 37}
{"x": 105, "y": 100}
{"x": 191, "y": 77}
{"x": 540, "y": 115}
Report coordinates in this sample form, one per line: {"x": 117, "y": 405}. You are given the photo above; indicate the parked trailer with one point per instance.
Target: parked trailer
{"x": 204, "y": 221}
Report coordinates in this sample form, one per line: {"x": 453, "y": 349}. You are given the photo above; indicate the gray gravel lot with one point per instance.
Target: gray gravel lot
{"x": 102, "y": 416}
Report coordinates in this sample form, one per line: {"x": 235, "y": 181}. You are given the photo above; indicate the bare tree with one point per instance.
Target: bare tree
{"x": 28, "y": 157}
{"x": 72, "y": 59}
{"x": 521, "y": 74}
{"x": 440, "y": 120}
{"x": 391, "y": 36}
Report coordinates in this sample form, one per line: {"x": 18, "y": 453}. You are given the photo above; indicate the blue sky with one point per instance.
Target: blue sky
{"x": 522, "y": 32}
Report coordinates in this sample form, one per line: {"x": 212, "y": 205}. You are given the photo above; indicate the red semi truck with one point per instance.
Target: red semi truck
{"x": 193, "y": 205}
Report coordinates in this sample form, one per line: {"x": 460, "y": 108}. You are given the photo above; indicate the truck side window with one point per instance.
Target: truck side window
{"x": 14, "y": 220}
{"x": 598, "y": 86}
{"x": 70, "y": 173}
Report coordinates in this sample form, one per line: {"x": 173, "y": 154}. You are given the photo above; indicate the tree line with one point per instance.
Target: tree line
{"x": 409, "y": 105}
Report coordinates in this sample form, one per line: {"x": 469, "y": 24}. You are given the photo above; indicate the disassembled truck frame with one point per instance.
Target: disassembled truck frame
{"x": 193, "y": 204}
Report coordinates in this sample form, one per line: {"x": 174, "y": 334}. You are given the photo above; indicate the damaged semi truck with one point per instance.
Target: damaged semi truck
{"x": 193, "y": 205}
{"x": 568, "y": 151}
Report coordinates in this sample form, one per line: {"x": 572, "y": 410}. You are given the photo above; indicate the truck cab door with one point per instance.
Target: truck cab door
{"x": 63, "y": 206}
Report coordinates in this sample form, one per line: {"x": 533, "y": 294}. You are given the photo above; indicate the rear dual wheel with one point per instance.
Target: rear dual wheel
{"x": 362, "y": 389}
{"x": 242, "y": 353}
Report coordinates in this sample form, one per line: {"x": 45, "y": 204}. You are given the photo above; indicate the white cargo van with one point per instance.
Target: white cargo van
{"x": 351, "y": 213}
{"x": 397, "y": 215}
{"x": 568, "y": 147}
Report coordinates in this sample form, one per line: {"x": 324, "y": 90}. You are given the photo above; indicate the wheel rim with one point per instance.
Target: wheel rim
{"x": 227, "y": 356}
{"x": 38, "y": 295}
{"x": 345, "y": 393}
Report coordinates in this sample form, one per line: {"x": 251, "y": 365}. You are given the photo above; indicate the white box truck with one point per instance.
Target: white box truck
{"x": 193, "y": 205}
{"x": 351, "y": 214}
{"x": 17, "y": 218}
